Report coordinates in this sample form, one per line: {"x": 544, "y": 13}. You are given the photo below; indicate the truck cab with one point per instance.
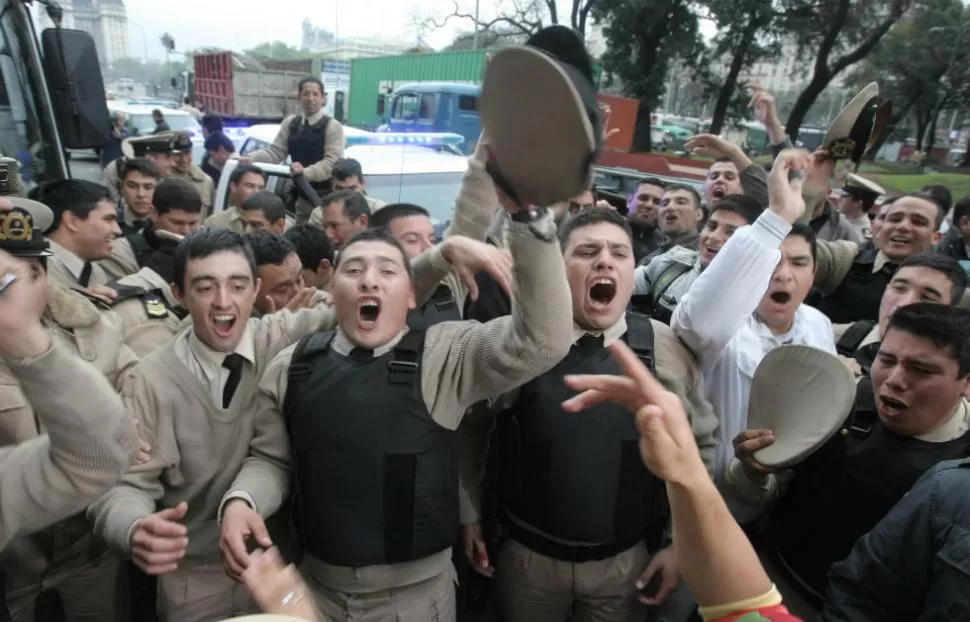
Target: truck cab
{"x": 433, "y": 107}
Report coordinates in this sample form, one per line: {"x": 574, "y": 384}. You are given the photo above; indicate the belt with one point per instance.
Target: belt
{"x": 574, "y": 553}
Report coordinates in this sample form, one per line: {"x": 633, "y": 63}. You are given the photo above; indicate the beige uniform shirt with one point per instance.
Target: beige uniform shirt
{"x": 64, "y": 268}
{"x": 149, "y": 322}
{"x": 89, "y": 443}
{"x": 111, "y": 179}
{"x": 462, "y": 363}
{"x": 333, "y": 148}
{"x": 121, "y": 261}
{"x": 78, "y": 328}
{"x": 202, "y": 183}
{"x": 227, "y": 219}
{"x": 834, "y": 261}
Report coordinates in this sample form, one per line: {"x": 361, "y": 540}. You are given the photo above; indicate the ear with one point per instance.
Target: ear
{"x": 325, "y": 269}
{"x": 965, "y": 392}
{"x": 363, "y": 220}
{"x": 178, "y": 293}
{"x": 256, "y": 287}
{"x": 412, "y": 304}
{"x": 70, "y": 221}
{"x": 937, "y": 236}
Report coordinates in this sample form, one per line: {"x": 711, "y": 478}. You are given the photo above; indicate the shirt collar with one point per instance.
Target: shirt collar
{"x": 611, "y": 334}
{"x": 211, "y": 360}
{"x": 344, "y": 346}
{"x": 313, "y": 118}
{"x": 955, "y": 427}
{"x": 880, "y": 262}
{"x": 73, "y": 263}
{"x": 131, "y": 217}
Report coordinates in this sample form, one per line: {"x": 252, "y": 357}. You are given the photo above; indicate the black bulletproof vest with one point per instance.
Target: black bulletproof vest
{"x": 859, "y": 294}
{"x": 844, "y": 489}
{"x": 4, "y": 612}
{"x": 306, "y": 142}
{"x": 376, "y": 479}
{"x": 579, "y": 476}
{"x": 441, "y": 307}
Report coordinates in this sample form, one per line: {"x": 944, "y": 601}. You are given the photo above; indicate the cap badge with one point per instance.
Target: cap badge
{"x": 16, "y": 226}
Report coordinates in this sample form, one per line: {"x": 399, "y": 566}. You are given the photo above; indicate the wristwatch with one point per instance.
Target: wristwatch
{"x": 532, "y": 217}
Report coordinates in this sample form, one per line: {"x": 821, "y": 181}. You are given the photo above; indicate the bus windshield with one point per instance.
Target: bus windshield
{"x": 20, "y": 129}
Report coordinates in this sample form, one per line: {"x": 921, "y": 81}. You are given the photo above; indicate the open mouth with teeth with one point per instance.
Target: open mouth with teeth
{"x": 368, "y": 310}
{"x": 601, "y": 293}
{"x": 899, "y": 239}
{"x": 222, "y": 324}
{"x": 890, "y": 406}
{"x": 718, "y": 192}
{"x": 780, "y": 300}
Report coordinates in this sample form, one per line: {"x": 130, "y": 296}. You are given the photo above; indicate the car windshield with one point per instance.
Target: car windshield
{"x": 435, "y": 192}
{"x": 143, "y": 124}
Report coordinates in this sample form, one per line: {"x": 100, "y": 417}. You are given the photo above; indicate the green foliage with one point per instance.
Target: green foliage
{"x": 277, "y": 50}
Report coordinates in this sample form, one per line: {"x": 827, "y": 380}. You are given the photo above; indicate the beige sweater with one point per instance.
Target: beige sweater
{"x": 333, "y": 150}
{"x": 89, "y": 444}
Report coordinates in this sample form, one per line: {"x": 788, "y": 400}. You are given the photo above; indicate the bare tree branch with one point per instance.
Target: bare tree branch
{"x": 525, "y": 20}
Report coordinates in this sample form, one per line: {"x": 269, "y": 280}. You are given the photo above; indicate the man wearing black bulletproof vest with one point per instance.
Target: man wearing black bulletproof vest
{"x": 371, "y": 412}
{"x": 586, "y": 527}
{"x": 912, "y": 415}
{"x": 313, "y": 141}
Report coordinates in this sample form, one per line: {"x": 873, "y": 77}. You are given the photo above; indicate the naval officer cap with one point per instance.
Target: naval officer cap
{"x": 859, "y": 127}
{"x": 538, "y": 108}
{"x": 803, "y": 395}
{"x": 163, "y": 142}
{"x": 23, "y": 222}
{"x": 860, "y": 187}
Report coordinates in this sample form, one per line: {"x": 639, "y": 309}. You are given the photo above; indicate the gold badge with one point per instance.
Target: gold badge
{"x": 16, "y": 226}
{"x": 154, "y": 307}
{"x": 842, "y": 148}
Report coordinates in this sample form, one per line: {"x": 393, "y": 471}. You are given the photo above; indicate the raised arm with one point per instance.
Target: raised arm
{"x": 477, "y": 200}
{"x": 277, "y": 152}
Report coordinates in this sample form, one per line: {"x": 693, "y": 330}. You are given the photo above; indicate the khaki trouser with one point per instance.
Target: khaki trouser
{"x": 428, "y": 601}
{"x": 87, "y": 594}
{"x": 201, "y": 593}
{"x": 535, "y": 588}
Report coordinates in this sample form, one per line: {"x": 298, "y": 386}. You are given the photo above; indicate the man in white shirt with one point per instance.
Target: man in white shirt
{"x": 749, "y": 301}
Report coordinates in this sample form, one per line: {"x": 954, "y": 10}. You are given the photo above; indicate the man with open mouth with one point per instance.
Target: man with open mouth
{"x": 568, "y": 488}
{"x": 164, "y": 513}
{"x": 732, "y": 172}
{"x": 371, "y": 410}
{"x": 910, "y": 413}
{"x": 749, "y": 301}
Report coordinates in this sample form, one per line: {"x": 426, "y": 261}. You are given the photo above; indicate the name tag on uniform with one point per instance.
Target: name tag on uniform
{"x": 154, "y": 306}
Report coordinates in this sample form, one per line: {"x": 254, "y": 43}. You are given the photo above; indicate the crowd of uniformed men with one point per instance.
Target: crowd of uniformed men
{"x": 350, "y": 394}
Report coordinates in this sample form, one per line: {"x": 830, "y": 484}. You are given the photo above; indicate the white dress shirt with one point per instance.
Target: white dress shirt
{"x": 717, "y": 321}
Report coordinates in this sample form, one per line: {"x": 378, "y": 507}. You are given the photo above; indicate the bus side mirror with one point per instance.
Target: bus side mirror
{"x": 381, "y": 104}
{"x": 76, "y": 87}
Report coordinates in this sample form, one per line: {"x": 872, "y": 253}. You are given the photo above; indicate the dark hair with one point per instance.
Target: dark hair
{"x": 355, "y": 205}
{"x": 941, "y": 207}
{"x": 312, "y": 245}
{"x": 271, "y": 205}
{"x": 744, "y": 206}
{"x": 375, "y": 235}
{"x": 961, "y": 209}
{"x": 804, "y": 230}
{"x": 693, "y": 192}
{"x": 206, "y": 242}
{"x": 345, "y": 168}
{"x": 384, "y": 216}
{"x": 157, "y": 113}
{"x": 589, "y": 217}
{"x": 309, "y": 80}
{"x": 212, "y": 123}
{"x": 944, "y": 264}
{"x": 186, "y": 100}
{"x": 176, "y": 194}
{"x": 269, "y": 248}
{"x": 141, "y": 165}
{"x": 78, "y": 196}
{"x": 942, "y": 195}
{"x": 245, "y": 169}
{"x": 947, "y": 327}
{"x": 652, "y": 181}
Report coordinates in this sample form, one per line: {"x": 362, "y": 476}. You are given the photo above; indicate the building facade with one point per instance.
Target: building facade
{"x": 105, "y": 20}
{"x": 321, "y": 41}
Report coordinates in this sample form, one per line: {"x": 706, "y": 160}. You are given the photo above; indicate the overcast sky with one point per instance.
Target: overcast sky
{"x": 242, "y": 24}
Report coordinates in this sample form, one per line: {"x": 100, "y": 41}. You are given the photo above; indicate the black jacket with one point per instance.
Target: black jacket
{"x": 953, "y": 245}
{"x": 914, "y": 566}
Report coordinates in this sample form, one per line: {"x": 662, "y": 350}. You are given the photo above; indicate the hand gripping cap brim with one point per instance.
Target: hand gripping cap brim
{"x": 803, "y": 395}
{"x": 848, "y": 136}
{"x": 542, "y": 120}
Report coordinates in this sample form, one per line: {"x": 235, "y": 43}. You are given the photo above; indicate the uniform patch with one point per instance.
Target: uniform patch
{"x": 154, "y": 306}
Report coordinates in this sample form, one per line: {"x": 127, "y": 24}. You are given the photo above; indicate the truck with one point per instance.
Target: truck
{"x": 53, "y": 97}
{"x": 246, "y": 90}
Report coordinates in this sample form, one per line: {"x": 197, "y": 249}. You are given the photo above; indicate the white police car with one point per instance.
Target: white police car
{"x": 139, "y": 122}
{"x": 398, "y": 168}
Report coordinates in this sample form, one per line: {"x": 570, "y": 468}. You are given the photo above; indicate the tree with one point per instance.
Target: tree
{"x": 276, "y": 50}
{"x": 745, "y": 35}
{"x": 644, "y": 38}
{"x": 836, "y": 34}
{"x": 516, "y": 17}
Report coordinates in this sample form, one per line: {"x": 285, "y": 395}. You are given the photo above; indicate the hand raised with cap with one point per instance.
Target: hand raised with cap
{"x": 785, "y": 184}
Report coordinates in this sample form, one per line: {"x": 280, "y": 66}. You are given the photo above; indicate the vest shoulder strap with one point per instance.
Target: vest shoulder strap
{"x": 667, "y": 278}
{"x": 298, "y": 120}
{"x": 295, "y": 124}
{"x": 853, "y": 337}
{"x": 407, "y": 357}
{"x": 126, "y": 292}
{"x": 141, "y": 248}
{"x": 302, "y": 364}
{"x": 639, "y": 336}
{"x": 443, "y": 299}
